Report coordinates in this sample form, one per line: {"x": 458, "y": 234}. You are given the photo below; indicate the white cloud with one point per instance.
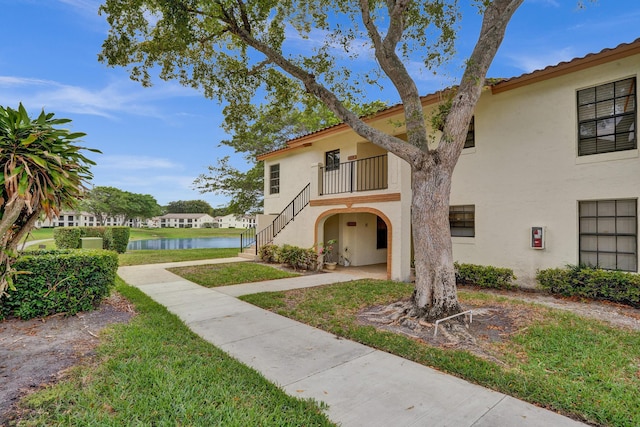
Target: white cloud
{"x": 124, "y": 162}
{"x": 553, "y": 3}
{"x": 539, "y": 60}
{"x": 84, "y": 6}
{"x": 164, "y": 188}
{"x": 114, "y": 99}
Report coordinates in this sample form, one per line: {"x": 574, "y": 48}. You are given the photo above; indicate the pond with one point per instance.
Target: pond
{"x": 185, "y": 243}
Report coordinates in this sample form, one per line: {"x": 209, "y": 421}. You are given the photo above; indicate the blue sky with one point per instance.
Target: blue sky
{"x": 158, "y": 140}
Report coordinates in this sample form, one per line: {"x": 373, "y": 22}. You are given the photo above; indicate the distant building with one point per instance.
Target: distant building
{"x": 236, "y": 221}
{"x": 185, "y": 220}
{"x": 85, "y": 219}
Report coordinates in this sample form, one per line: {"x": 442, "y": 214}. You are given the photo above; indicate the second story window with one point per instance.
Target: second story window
{"x": 332, "y": 160}
{"x": 607, "y": 118}
{"x": 274, "y": 179}
{"x": 471, "y": 134}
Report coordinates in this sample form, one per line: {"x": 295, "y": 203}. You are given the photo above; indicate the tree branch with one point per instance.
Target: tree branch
{"x": 390, "y": 143}
{"x": 11, "y": 213}
{"x": 24, "y": 230}
{"x": 494, "y": 24}
{"x": 243, "y": 16}
{"x": 385, "y": 51}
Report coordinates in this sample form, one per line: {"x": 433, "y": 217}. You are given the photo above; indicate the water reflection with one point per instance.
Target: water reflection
{"x": 185, "y": 243}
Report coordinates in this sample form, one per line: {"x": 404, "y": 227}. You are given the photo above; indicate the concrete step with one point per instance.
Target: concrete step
{"x": 248, "y": 255}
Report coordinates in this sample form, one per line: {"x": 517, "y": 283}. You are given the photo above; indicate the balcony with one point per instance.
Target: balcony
{"x": 358, "y": 175}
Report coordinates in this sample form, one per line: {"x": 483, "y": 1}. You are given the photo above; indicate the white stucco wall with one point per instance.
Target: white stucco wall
{"x": 525, "y": 171}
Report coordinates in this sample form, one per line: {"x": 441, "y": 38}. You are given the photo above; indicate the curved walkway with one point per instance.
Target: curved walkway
{"x": 362, "y": 386}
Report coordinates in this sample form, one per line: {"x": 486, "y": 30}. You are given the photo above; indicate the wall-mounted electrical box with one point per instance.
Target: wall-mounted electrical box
{"x": 537, "y": 237}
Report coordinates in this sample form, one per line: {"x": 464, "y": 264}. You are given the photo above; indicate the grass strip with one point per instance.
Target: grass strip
{"x": 153, "y": 233}
{"x": 579, "y": 367}
{"x": 174, "y": 255}
{"x": 214, "y": 275}
{"x": 155, "y": 371}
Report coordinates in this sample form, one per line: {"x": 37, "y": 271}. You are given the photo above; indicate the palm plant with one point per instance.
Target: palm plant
{"x": 41, "y": 172}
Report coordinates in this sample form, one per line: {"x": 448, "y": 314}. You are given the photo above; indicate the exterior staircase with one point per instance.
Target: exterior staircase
{"x": 249, "y": 252}
{"x": 250, "y": 240}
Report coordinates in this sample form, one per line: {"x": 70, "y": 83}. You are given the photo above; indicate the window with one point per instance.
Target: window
{"x": 381, "y": 237}
{"x": 607, "y": 118}
{"x": 471, "y": 134}
{"x": 274, "y": 179}
{"x": 609, "y": 234}
{"x": 332, "y": 160}
{"x": 462, "y": 220}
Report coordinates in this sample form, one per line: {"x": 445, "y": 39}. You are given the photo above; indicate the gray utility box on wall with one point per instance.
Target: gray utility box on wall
{"x": 91, "y": 242}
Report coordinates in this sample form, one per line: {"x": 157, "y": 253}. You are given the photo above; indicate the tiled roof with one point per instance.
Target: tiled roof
{"x": 575, "y": 64}
{"x": 497, "y": 84}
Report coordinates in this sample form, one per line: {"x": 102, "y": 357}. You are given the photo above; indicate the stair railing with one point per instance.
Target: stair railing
{"x": 287, "y": 215}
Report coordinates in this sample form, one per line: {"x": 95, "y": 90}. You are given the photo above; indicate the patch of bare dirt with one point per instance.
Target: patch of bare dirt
{"x": 38, "y": 351}
{"x": 484, "y": 331}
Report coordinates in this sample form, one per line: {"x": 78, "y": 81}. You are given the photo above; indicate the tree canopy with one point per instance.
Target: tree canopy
{"x": 244, "y": 51}
{"x": 189, "y": 206}
{"x": 104, "y": 202}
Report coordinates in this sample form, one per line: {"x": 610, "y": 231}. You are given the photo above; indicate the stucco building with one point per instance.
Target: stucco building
{"x": 185, "y": 220}
{"x": 549, "y": 176}
{"x": 236, "y": 221}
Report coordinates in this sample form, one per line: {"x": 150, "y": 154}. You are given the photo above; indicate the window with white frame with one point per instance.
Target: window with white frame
{"x": 607, "y": 117}
{"x": 462, "y": 220}
{"x": 274, "y": 179}
{"x": 609, "y": 234}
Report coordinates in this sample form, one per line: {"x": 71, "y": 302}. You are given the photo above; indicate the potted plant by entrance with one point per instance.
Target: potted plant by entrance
{"x": 328, "y": 254}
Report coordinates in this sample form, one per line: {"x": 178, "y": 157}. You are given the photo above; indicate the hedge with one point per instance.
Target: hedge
{"x": 296, "y": 257}
{"x": 60, "y": 281}
{"x": 484, "y": 276}
{"x": 588, "y": 282}
{"x": 113, "y": 238}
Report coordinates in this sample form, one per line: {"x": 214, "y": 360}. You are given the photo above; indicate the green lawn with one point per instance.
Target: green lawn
{"x": 174, "y": 255}
{"x": 154, "y": 233}
{"x": 560, "y": 361}
{"x": 155, "y": 371}
{"x": 213, "y": 275}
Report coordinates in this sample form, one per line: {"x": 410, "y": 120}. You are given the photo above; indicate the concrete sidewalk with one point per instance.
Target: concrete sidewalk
{"x": 362, "y": 386}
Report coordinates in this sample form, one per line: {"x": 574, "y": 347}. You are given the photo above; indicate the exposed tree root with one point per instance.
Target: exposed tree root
{"x": 455, "y": 333}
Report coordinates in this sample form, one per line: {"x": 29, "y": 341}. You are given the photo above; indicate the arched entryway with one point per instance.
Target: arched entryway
{"x": 363, "y": 235}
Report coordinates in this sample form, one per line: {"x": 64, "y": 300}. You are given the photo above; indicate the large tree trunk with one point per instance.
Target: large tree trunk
{"x": 435, "y": 293}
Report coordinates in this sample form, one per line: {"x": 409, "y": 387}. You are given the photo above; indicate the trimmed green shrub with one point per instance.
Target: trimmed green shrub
{"x": 594, "y": 283}
{"x": 113, "y": 238}
{"x": 297, "y": 257}
{"x": 485, "y": 276}
{"x": 119, "y": 239}
{"x": 60, "y": 281}
{"x": 269, "y": 253}
{"x": 67, "y": 237}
